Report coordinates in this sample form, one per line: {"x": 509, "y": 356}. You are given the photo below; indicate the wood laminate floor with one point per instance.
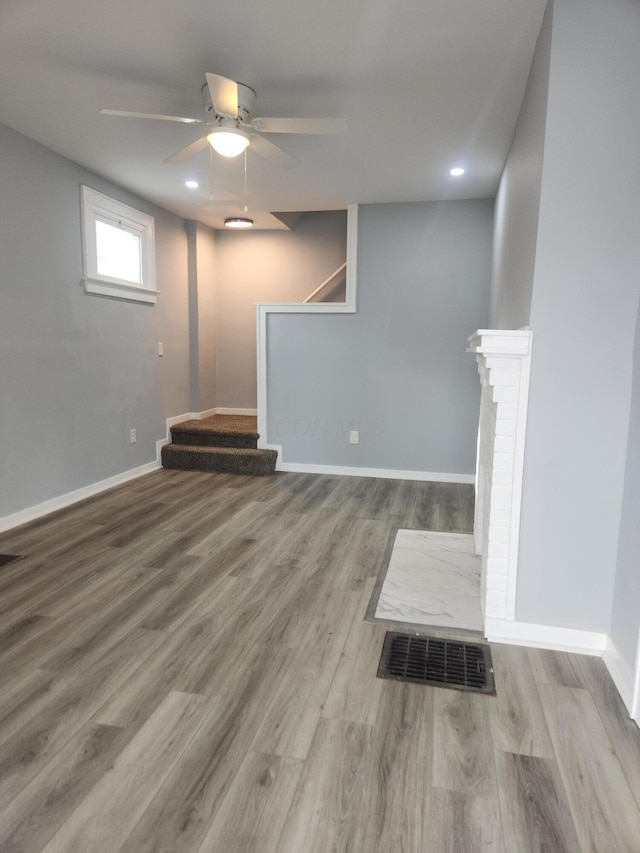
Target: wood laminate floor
{"x": 185, "y": 668}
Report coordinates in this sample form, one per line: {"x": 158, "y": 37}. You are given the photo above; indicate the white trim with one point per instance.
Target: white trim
{"x": 507, "y": 341}
{"x": 218, "y": 410}
{"x": 63, "y": 501}
{"x": 304, "y": 308}
{"x": 352, "y": 256}
{"x": 545, "y": 636}
{"x": 325, "y": 283}
{"x": 261, "y": 346}
{"x": 120, "y": 290}
{"x": 621, "y": 673}
{"x": 97, "y": 207}
{"x": 381, "y": 473}
{"x": 263, "y": 309}
{"x": 176, "y": 419}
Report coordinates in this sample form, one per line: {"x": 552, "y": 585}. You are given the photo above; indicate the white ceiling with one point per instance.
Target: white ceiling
{"x": 424, "y": 85}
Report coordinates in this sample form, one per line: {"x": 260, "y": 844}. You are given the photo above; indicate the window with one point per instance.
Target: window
{"x": 118, "y": 249}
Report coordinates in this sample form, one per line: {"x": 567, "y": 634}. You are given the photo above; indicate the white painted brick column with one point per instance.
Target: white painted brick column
{"x": 504, "y": 359}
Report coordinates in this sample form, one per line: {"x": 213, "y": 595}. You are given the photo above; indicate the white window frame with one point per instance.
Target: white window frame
{"x": 98, "y": 207}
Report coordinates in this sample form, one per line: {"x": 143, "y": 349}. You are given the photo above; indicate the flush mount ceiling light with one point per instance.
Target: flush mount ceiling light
{"x": 228, "y": 141}
{"x": 193, "y": 185}
{"x": 238, "y": 222}
{"x": 457, "y": 172}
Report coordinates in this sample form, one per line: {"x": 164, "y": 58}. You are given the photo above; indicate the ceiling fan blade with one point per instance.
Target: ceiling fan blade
{"x": 224, "y": 95}
{"x": 188, "y": 150}
{"x": 272, "y": 152}
{"x": 128, "y": 114}
{"x": 325, "y": 126}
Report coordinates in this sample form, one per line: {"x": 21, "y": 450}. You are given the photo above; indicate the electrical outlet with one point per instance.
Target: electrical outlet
{"x": 160, "y": 348}
{"x": 132, "y": 436}
{"x": 354, "y": 436}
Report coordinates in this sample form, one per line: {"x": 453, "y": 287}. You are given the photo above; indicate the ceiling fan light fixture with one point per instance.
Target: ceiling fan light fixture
{"x": 228, "y": 141}
{"x": 238, "y": 222}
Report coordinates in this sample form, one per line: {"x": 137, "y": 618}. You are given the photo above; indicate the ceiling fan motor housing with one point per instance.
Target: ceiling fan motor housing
{"x": 246, "y": 101}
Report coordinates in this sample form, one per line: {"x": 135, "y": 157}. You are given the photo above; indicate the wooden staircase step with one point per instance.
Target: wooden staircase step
{"x": 223, "y": 460}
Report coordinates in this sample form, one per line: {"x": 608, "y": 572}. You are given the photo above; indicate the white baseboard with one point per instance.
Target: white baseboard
{"x": 621, "y": 673}
{"x": 545, "y": 637}
{"x": 62, "y": 501}
{"x": 223, "y": 411}
{"x": 176, "y": 419}
{"x": 381, "y": 473}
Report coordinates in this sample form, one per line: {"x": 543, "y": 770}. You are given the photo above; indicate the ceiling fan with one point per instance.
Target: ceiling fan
{"x": 232, "y": 128}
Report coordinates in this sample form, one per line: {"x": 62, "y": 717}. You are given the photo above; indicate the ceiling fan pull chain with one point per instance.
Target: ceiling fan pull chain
{"x": 246, "y": 208}
{"x": 210, "y": 173}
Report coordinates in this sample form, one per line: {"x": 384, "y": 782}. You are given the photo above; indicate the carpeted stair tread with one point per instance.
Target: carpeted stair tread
{"x": 222, "y": 424}
{"x": 238, "y": 431}
{"x": 227, "y": 460}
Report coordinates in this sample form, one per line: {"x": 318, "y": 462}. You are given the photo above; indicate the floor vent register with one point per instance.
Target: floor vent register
{"x": 437, "y": 662}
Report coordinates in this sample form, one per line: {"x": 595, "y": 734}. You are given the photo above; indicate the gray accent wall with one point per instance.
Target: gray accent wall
{"x": 396, "y": 370}
{"x": 584, "y": 302}
{"x": 77, "y": 370}
{"x": 267, "y": 266}
{"x": 518, "y": 198}
{"x": 625, "y": 620}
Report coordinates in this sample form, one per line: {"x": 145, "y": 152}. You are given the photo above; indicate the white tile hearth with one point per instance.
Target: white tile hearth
{"x": 433, "y": 579}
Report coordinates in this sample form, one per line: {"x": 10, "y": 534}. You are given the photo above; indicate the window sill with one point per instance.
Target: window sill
{"x": 120, "y": 290}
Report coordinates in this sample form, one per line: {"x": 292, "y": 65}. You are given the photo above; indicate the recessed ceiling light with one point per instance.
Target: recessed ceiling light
{"x": 238, "y": 222}
{"x": 193, "y": 185}
{"x": 456, "y": 172}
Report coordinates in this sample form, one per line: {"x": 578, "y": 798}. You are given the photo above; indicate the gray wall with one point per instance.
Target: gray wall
{"x": 202, "y": 315}
{"x": 583, "y": 314}
{"x": 267, "y": 266}
{"x": 397, "y": 369}
{"x": 625, "y": 621}
{"x": 78, "y": 371}
{"x": 518, "y": 198}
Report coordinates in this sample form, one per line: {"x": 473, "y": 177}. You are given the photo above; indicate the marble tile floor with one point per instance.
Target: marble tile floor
{"x": 433, "y": 579}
